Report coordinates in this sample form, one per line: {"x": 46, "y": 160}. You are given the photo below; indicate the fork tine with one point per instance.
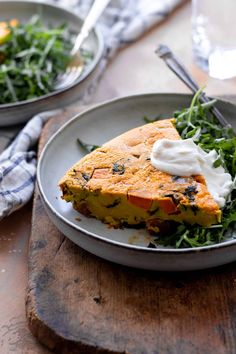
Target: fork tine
{"x": 62, "y": 79}
{"x": 65, "y": 79}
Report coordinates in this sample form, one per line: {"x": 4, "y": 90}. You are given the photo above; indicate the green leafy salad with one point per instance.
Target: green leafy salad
{"x": 31, "y": 56}
{"x": 198, "y": 123}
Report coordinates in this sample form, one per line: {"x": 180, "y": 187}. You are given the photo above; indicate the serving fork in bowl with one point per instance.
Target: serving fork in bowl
{"x": 74, "y": 70}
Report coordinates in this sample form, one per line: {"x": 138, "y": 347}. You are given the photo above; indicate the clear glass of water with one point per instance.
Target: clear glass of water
{"x": 214, "y": 36}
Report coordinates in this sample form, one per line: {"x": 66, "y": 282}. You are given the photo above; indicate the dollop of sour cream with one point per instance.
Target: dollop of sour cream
{"x": 185, "y": 158}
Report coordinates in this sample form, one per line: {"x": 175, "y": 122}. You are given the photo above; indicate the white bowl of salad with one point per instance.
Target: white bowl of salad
{"x": 35, "y": 43}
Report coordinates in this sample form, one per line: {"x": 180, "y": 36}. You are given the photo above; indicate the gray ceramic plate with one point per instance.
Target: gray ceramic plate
{"x": 15, "y": 113}
{"x": 127, "y": 246}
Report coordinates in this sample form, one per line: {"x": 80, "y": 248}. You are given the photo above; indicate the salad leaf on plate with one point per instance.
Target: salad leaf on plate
{"x": 197, "y": 122}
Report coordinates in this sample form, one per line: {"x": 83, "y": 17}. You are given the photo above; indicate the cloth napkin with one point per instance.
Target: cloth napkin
{"x": 122, "y": 22}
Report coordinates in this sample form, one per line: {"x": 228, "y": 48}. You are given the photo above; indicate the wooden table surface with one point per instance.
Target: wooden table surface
{"x": 136, "y": 69}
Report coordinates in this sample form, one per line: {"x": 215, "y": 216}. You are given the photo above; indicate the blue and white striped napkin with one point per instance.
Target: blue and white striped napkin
{"x": 121, "y": 23}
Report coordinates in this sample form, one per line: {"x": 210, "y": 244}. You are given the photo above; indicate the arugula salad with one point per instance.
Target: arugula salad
{"x": 198, "y": 123}
{"x": 32, "y": 55}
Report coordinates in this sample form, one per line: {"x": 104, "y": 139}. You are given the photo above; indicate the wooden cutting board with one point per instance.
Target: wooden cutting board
{"x": 79, "y": 303}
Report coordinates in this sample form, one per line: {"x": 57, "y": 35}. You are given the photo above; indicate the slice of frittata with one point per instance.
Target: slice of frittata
{"x": 117, "y": 184}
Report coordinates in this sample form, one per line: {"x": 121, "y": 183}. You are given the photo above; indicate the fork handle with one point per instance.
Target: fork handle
{"x": 95, "y": 12}
{"x": 174, "y": 64}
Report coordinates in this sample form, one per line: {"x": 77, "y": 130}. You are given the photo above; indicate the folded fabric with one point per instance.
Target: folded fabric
{"x": 121, "y": 23}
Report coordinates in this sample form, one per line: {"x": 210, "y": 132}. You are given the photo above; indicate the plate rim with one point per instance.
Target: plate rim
{"x": 92, "y": 235}
{"x": 82, "y": 78}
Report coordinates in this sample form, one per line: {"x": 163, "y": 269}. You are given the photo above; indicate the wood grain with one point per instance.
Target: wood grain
{"x": 79, "y": 303}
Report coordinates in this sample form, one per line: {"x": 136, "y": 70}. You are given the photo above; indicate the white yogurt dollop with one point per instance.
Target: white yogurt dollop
{"x": 185, "y": 158}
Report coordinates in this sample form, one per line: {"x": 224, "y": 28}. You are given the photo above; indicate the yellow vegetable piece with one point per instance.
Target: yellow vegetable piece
{"x": 5, "y": 31}
{"x": 14, "y": 22}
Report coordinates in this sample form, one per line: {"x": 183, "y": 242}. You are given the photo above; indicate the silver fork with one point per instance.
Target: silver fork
{"x": 67, "y": 78}
{"x": 73, "y": 72}
{"x": 174, "y": 64}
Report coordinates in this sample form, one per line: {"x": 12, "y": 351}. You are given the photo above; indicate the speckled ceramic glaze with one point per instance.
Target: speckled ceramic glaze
{"x": 15, "y": 113}
{"x": 126, "y": 246}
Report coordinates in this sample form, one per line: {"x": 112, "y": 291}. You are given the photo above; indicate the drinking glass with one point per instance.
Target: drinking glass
{"x": 214, "y": 36}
